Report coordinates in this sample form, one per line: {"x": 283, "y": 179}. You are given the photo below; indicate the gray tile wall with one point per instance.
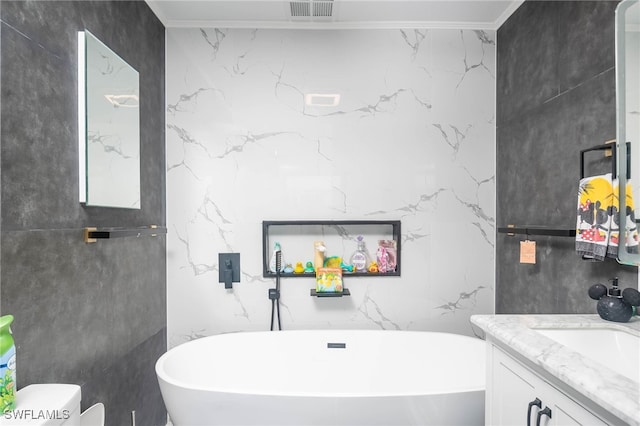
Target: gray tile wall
{"x": 94, "y": 315}
{"x": 555, "y": 96}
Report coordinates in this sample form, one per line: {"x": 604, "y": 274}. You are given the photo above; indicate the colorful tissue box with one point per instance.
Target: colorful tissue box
{"x": 329, "y": 280}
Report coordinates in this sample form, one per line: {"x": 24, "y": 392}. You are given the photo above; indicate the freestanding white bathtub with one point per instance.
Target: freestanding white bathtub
{"x": 321, "y": 377}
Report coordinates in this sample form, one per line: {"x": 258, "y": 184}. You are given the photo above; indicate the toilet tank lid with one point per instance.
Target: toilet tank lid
{"x": 49, "y": 396}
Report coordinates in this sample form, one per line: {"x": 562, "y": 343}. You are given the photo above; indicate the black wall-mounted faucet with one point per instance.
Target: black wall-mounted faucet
{"x": 228, "y": 274}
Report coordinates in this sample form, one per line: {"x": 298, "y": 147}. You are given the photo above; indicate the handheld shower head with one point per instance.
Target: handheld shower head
{"x": 274, "y": 294}
{"x": 278, "y": 262}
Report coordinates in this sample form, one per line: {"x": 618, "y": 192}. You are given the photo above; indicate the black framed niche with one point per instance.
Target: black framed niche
{"x": 297, "y": 237}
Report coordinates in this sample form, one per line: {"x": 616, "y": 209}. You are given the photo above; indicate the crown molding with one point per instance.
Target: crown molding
{"x": 329, "y": 25}
{"x": 515, "y": 4}
{"x": 157, "y": 10}
{"x": 302, "y": 25}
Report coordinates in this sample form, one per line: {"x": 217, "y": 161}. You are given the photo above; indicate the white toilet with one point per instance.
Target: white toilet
{"x": 52, "y": 404}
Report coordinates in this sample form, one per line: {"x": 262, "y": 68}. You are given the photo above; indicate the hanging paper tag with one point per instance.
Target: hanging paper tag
{"x": 528, "y": 252}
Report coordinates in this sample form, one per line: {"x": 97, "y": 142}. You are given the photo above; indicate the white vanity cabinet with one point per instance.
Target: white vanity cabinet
{"x": 514, "y": 390}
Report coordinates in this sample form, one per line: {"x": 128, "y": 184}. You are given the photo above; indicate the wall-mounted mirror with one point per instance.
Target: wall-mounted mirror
{"x": 628, "y": 126}
{"x": 108, "y": 126}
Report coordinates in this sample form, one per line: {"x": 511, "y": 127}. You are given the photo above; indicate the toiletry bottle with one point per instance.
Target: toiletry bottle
{"x": 318, "y": 254}
{"x": 387, "y": 256}
{"x": 612, "y": 306}
{"x": 359, "y": 258}
{"x": 7, "y": 366}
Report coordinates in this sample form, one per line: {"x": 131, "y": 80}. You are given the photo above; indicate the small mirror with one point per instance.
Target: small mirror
{"x": 628, "y": 126}
{"x": 109, "y": 126}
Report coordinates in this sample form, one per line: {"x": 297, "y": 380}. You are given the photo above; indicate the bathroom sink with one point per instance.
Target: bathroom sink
{"x": 618, "y": 350}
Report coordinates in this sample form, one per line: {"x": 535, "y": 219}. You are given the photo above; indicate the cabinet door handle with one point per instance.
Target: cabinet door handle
{"x": 535, "y": 402}
{"x": 545, "y": 412}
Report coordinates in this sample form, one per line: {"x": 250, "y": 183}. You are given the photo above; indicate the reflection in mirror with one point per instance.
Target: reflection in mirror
{"x": 628, "y": 125}
{"x": 109, "y": 126}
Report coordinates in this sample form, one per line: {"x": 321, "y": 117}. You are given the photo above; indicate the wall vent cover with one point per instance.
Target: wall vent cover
{"x": 322, "y": 99}
{"x": 311, "y": 9}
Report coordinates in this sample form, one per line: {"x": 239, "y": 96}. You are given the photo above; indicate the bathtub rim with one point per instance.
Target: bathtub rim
{"x": 161, "y": 375}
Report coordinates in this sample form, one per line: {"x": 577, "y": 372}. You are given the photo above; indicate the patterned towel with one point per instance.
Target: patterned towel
{"x": 596, "y": 201}
{"x": 631, "y": 229}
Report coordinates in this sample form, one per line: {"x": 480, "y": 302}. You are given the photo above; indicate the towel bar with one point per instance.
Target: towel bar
{"x": 605, "y": 147}
{"x": 532, "y": 230}
{"x": 91, "y": 235}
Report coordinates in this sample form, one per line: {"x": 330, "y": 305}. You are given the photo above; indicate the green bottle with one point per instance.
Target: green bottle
{"x": 7, "y": 366}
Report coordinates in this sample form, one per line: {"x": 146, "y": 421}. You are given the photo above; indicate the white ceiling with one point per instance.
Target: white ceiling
{"x": 462, "y": 14}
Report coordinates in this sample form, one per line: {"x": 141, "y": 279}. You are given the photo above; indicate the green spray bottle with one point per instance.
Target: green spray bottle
{"x": 7, "y": 366}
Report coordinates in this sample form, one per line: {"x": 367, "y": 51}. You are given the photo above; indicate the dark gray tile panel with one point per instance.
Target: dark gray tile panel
{"x": 87, "y": 304}
{"x": 526, "y": 65}
{"x": 39, "y": 92}
{"x": 538, "y": 155}
{"x": 94, "y": 315}
{"x": 556, "y": 284}
{"x": 586, "y": 41}
{"x": 539, "y": 138}
{"x": 139, "y": 378}
{"x": 549, "y": 47}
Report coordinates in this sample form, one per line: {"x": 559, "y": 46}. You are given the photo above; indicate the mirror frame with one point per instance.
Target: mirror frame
{"x": 624, "y": 153}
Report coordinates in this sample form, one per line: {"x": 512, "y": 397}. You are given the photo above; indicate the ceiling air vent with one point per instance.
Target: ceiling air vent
{"x": 320, "y": 9}
{"x": 323, "y": 8}
{"x": 300, "y": 9}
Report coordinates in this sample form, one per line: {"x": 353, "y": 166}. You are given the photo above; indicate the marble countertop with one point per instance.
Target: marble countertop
{"x": 615, "y": 393}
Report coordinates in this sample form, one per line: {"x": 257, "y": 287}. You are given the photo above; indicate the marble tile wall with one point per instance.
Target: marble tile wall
{"x": 555, "y": 96}
{"x": 94, "y": 315}
{"x": 413, "y": 138}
